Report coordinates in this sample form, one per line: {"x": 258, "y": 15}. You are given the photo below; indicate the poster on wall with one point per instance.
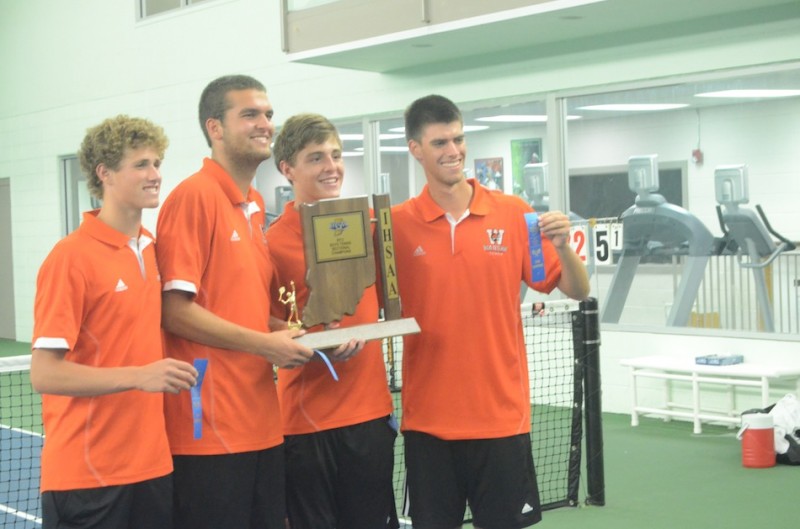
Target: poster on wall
{"x": 523, "y": 152}
{"x": 489, "y": 172}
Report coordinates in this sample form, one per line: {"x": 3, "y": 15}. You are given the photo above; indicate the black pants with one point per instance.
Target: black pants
{"x": 143, "y": 505}
{"x": 231, "y": 491}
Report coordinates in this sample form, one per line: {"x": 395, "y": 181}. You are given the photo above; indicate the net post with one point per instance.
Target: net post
{"x": 576, "y": 454}
{"x": 595, "y": 473}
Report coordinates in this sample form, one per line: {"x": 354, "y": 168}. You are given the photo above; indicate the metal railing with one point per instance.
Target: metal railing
{"x": 727, "y": 297}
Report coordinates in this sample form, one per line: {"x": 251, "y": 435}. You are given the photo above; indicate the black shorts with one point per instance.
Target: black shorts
{"x": 496, "y": 477}
{"x": 231, "y": 491}
{"x": 143, "y": 505}
{"x": 342, "y": 477}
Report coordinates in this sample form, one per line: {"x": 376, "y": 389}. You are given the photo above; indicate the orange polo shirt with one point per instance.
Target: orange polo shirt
{"x": 96, "y": 301}
{"x": 465, "y": 376}
{"x": 212, "y": 245}
{"x": 311, "y": 400}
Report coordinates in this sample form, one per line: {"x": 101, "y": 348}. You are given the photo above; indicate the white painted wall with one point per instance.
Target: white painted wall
{"x": 68, "y": 65}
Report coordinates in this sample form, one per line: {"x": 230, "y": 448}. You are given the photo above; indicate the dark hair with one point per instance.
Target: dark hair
{"x": 214, "y": 102}
{"x": 426, "y": 110}
{"x": 298, "y": 132}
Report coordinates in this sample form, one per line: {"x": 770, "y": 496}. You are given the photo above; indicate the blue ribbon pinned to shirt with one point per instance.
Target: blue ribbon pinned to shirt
{"x": 535, "y": 244}
{"x": 197, "y": 406}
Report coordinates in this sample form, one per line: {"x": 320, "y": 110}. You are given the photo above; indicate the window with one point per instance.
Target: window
{"x": 76, "y": 195}
{"x": 604, "y": 193}
{"x": 694, "y": 128}
{"x": 148, "y": 8}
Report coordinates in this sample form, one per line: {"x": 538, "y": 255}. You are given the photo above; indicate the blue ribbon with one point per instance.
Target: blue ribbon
{"x": 328, "y": 363}
{"x": 197, "y": 406}
{"x": 535, "y": 245}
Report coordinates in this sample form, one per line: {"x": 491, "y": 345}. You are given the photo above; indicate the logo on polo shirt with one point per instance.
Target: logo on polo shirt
{"x": 121, "y": 286}
{"x": 235, "y": 236}
{"x": 495, "y": 245}
{"x": 419, "y": 252}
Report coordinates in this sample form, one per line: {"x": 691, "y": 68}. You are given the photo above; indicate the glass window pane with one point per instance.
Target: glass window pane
{"x": 77, "y": 198}
{"x": 154, "y": 7}
{"x": 501, "y": 140}
{"x": 396, "y": 175}
{"x": 297, "y": 5}
{"x": 356, "y": 182}
{"x": 674, "y": 241}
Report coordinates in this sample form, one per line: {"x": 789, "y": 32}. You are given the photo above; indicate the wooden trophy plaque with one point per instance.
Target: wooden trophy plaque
{"x": 340, "y": 254}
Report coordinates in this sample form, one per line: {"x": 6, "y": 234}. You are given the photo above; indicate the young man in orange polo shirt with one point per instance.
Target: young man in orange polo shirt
{"x": 461, "y": 253}
{"x": 339, "y": 438}
{"x": 216, "y": 271}
{"x": 97, "y": 355}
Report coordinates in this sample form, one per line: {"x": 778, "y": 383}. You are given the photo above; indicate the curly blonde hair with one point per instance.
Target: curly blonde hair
{"x": 107, "y": 143}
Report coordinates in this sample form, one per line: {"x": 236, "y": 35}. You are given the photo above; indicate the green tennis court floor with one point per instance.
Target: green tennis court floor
{"x": 12, "y": 348}
{"x": 659, "y": 475}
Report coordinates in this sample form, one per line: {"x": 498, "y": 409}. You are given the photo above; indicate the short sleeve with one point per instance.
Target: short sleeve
{"x": 183, "y": 231}
{"x": 59, "y": 302}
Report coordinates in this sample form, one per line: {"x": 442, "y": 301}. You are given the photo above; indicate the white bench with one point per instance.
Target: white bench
{"x": 668, "y": 368}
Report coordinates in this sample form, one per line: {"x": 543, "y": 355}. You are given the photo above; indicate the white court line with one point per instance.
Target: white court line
{"x": 20, "y": 514}
{"x": 20, "y": 430}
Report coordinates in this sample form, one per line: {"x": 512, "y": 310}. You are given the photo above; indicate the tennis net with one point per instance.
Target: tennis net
{"x": 20, "y": 445}
{"x": 563, "y": 347}
{"x": 563, "y": 362}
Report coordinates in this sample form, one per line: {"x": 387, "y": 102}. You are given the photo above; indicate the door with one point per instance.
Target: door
{"x": 7, "y": 320}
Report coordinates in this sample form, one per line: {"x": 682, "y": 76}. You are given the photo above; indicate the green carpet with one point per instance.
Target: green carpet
{"x": 660, "y": 475}
{"x": 12, "y": 348}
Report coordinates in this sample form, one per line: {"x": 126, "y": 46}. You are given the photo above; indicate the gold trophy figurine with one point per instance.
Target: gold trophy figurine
{"x": 290, "y": 298}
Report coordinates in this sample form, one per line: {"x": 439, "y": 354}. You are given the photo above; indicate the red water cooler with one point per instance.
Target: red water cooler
{"x": 758, "y": 440}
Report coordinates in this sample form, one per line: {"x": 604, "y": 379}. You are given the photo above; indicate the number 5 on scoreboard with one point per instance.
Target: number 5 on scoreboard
{"x": 607, "y": 238}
